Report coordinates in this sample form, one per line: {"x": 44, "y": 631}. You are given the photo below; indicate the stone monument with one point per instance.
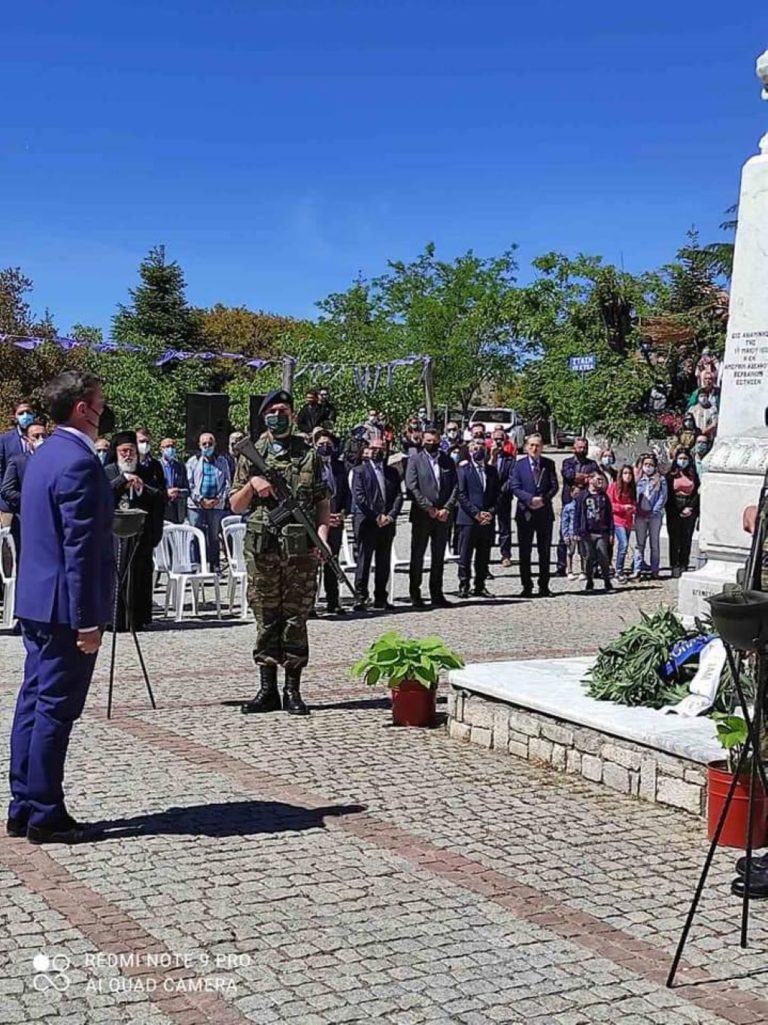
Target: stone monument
{"x": 737, "y": 462}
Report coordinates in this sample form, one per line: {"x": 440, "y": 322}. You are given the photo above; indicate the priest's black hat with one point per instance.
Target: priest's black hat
{"x": 124, "y": 438}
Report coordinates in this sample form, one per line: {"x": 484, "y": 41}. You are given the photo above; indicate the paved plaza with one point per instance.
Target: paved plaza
{"x": 336, "y": 869}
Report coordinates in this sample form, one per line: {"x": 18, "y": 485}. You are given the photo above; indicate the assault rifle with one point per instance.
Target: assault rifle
{"x": 288, "y": 509}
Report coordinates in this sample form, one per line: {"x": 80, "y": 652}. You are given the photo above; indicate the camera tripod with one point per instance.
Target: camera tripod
{"x": 126, "y": 552}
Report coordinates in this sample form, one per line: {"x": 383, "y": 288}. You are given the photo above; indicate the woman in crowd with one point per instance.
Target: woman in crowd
{"x": 623, "y": 495}
{"x": 651, "y": 500}
{"x": 608, "y": 464}
{"x": 682, "y": 509}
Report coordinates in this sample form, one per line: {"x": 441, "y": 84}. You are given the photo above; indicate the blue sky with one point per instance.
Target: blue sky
{"x": 278, "y": 149}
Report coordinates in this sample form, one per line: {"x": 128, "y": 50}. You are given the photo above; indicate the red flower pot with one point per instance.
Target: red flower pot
{"x": 413, "y": 704}
{"x": 734, "y": 832}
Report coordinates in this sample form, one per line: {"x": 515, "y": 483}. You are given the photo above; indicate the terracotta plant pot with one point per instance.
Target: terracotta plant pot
{"x": 413, "y": 704}
{"x": 734, "y": 832}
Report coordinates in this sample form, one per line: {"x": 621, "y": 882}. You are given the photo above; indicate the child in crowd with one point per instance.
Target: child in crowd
{"x": 567, "y": 520}
{"x": 623, "y": 495}
{"x": 593, "y": 527}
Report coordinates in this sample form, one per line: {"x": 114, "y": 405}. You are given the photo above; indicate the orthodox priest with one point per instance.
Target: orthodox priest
{"x": 133, "y": 488}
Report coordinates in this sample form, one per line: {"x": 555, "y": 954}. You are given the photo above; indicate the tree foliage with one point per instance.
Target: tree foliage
{"x": 159, "y": 307}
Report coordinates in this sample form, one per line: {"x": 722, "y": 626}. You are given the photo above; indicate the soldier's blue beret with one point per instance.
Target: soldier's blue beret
{"x": 278, "y": 395}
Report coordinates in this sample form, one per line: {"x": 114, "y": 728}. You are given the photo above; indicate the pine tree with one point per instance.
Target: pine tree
{"x": 158, "y": 307}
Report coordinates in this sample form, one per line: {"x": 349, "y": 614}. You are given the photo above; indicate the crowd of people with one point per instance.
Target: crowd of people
{"x": 463, "y": 490}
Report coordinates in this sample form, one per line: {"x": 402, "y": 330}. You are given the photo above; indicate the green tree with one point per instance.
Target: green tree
{"x": 246, "y": 332}
{"x": 463, "y": 313}
{"x": 577, "y": 307}
{"x": 86, "y": 333}
{"x": 159, "y": 307}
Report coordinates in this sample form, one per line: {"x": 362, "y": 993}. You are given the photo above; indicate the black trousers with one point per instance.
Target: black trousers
{"x": 330, "y": 580}
{"x": 476, "y": 540}
{"x": 426, "y": 531}
{"x": 373, "y": 540}
{"x": 596, "y": 551}
{"x": 680, "y": 529}
{"x": 504, "y": 515}
{"x": 538, "y": 528}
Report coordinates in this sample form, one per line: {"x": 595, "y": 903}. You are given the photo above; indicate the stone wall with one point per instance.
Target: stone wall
{"x": 619, "y": 764}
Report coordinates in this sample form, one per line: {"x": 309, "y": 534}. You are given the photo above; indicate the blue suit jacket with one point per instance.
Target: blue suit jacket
{"x": 340, "y": 499}
{"x": 367, "y": 499}
{"x": 10, "y": 446}
{"x": 10, "y": 486}
{"x": 523, "y": 486}
{"x": 472, "y": 498}
{"x": 66, "y": 568}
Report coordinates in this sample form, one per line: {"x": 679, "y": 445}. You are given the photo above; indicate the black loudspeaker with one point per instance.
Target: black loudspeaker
{"x": 256, "y": 424}
{"x": 207, "y": 411}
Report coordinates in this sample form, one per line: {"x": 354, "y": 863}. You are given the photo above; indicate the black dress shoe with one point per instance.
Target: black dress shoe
{"x": 336, "y": 610}
{"x": 463, "y": 593}
{"x": 441, "y": 602}
{"x": 544, "y": 592}
{"x": 267, "y": 697}
{"x": 590, "y": 585}
{"x": 69, "y": 832}
{"x": 483, "y": 592}
{"x": 526, "y": 593}
{"x": 758, "y": 885}
{"x": 359, "y": 606}
{"x": 418, "y": 602}
{"x": 759, "y": 864}
{"x": 385, "y": 606}
{"x": 16, "y": 825}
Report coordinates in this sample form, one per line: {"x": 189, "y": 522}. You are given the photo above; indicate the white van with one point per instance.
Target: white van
{"x": 507, "y": 418}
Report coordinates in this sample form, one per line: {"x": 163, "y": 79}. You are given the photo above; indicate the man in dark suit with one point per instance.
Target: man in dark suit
{"x": 336, "y": 480}
{"x": 13, "y": 443}
{"x": 378, "y": 499}
{"x": 478, "y": 495}
{"x": 10, "y": 485}
{"x": 430, "y": 477}
{"x": 581, "y": 466}
{"x": 176, "y": 482}
{"x": 533, "y": 482}
{"x": 503, "y": 458}
{"x": 63, "y": 601}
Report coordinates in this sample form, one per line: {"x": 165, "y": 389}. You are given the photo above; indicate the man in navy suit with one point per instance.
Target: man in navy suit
{"x": 378, "y": 499}
{"x": 430, "y": 478}
{"x": 533, "y": 482}
{"x": 13, "y": 442}
{"x": 63, "y": 600}
{"x": 478, "y": 495}
{"x": 335, "y": 477}
{"x": 10, "y": 484}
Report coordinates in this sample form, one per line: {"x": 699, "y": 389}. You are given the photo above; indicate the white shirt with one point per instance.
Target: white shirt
{"x": 83, "y": 437}
{"x": 434, "y": 460}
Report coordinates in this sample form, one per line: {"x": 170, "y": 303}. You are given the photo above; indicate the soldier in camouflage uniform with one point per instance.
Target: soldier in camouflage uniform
{"x": 282, "y": 567}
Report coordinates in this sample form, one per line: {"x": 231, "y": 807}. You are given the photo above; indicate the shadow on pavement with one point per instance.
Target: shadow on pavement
{"x": 235, "y": 818}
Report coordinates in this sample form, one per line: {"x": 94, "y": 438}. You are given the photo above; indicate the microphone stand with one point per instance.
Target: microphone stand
{"x": 127, "y": 546}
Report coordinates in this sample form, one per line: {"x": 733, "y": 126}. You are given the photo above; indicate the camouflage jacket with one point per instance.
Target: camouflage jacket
{"x": 299, "y": 466}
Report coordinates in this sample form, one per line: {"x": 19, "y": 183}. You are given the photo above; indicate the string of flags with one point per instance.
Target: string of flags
{"x": 367, "y": 377}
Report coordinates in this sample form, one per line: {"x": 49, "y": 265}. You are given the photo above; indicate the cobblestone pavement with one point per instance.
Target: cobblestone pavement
{"x": 335, "y": 869}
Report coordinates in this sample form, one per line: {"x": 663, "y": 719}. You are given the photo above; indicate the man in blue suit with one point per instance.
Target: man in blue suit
{"x": 13, "y": 442}
{"x": 378, "y": 499}
{"x": 533, "y": 482}
{"x": 63, "y": 601}
{"x": 10, "y": 485}
{"x": 478, "y": 496}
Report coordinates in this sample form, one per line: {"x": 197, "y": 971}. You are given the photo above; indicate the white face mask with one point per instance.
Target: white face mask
{"x": 144, "y": 447}
{"x": 37, "y": 443}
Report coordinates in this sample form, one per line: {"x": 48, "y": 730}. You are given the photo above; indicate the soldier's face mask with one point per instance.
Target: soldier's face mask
{"x": 278, "y": 423}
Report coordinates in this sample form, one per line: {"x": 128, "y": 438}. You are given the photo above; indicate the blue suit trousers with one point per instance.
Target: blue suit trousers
{"x": 56, "y": 681}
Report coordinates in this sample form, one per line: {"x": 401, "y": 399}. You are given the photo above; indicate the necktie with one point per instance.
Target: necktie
{"x": 536, "y": 471}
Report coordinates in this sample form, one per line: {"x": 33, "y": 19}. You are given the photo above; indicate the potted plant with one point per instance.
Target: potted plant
{"x": 732, "y": 733}
{"x": 410, "y": 668}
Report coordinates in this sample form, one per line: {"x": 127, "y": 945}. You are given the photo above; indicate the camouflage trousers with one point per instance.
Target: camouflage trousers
{"x": 281, "y": 593}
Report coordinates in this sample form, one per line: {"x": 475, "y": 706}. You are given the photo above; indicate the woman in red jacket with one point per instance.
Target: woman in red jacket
{"x": 623, "y": 495}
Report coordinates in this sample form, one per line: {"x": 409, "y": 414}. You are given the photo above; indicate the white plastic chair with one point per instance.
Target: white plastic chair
{"x": 394, "y": 564}
{"x": 229, "y": 520}
{"x": 183, "y": 568}
{"x": 347, "y": 559}
{"x": 234, "y": 546}
{"x": 8, "y": 575}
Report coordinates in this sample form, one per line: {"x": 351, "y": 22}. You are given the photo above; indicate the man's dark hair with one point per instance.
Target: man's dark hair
{"x": 311, "y": 391}
{"x": 22, "y": 402}
{"x": 37, "y": 422}
{"x": 432, "y": 430}
{"x": 63, "y": 393}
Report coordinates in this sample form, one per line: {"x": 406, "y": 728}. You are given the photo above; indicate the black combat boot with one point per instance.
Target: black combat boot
{"x": 267, "y": 698}
{"x": 292, "y": 702}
